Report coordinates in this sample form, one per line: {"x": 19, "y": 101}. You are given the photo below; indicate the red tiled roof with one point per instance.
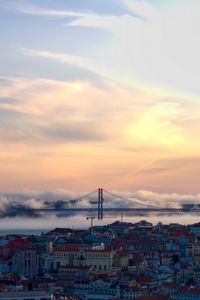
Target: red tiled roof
{"x": 122, "y": 224}
{"x": 99, "y": 251}
{"x": 67, "y": 249}
{"x": 158, "y": 297}
{"x": 171, "y": 285}
{"x": 185, "y": 264}
{"x": 136, "y": 260}
{"x": 143, "y": 279}
{"x": 119, "y": 241}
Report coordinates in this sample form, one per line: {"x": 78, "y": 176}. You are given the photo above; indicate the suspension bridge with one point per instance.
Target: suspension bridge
{"x": 99, "y": 208}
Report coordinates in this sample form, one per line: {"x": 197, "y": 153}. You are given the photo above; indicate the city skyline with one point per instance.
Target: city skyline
{"x": 100, "y": 93}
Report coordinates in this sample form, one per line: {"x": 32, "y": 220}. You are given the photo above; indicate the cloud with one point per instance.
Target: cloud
{"x": 31, "y": 124}
{"x": 83, "y": 112}
{"x": 34, "y": 10}
{"x": 96, "y": 102}
{"x": 80, "y": 111}
{"x": 59, "y": 57}
{"x": 110, "y": 7}
{"x": 80, "y": 134}
{"x": 25, "y": 204}
{"x": 45, "y": 64}
{"x": 28, "y": 204}
{"x": 150, "y": 53}
{"x": 166, "y": 199}
{"x": 146, "y": 198}
{"x": 66, "y": 132}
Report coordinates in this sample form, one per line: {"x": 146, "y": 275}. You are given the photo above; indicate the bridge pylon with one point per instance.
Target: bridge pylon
{"x": 100, "y": 203}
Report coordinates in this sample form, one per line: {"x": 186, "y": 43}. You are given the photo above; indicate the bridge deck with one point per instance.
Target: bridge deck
{"x": 122, "y": 209}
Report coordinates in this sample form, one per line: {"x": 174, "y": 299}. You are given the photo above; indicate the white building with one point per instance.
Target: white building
{"x": 98, "y": 260}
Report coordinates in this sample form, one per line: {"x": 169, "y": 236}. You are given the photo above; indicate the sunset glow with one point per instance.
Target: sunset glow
{"x": 100, "y": 95}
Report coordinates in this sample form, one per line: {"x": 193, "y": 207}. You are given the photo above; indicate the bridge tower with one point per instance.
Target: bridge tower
{"x": 100, "y": 203}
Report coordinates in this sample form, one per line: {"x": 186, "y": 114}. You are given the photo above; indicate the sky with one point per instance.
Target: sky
{"x": 100, "y": 93}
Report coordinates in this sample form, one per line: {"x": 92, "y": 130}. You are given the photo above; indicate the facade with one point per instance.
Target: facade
{"x": 101, "y": 290}
{"x": 33, "y": 295}
{"x": 26, "y": 262}
{"x": 65, "y": 256}
{"x": 98, "y": 260}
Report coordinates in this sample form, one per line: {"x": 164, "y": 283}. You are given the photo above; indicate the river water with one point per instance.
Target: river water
{"x": 49, "y": 222}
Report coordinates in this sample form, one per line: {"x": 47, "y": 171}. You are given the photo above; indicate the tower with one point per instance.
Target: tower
{"x": 100, "y": 203}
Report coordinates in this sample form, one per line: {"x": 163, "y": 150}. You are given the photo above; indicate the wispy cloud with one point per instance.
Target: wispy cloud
{"x": 25, "y": 8}
{"x": 61, "y": 58}
{"x": 146, "y": 46}
{"x": 153, "y": 45}
{"x": 29, "y": 9}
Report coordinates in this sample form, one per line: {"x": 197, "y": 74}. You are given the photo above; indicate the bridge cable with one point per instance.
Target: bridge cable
{"x": 82, "y": 197}
{"x": 125, "y": 199}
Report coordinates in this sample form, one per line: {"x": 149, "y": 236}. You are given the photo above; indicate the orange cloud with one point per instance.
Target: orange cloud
{"x": 78, "y": 136}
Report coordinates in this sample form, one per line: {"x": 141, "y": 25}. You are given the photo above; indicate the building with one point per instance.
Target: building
{"x": 24, "y": 295}
{"x": 98, "y": 260}
{"x": 26, "y": 262}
